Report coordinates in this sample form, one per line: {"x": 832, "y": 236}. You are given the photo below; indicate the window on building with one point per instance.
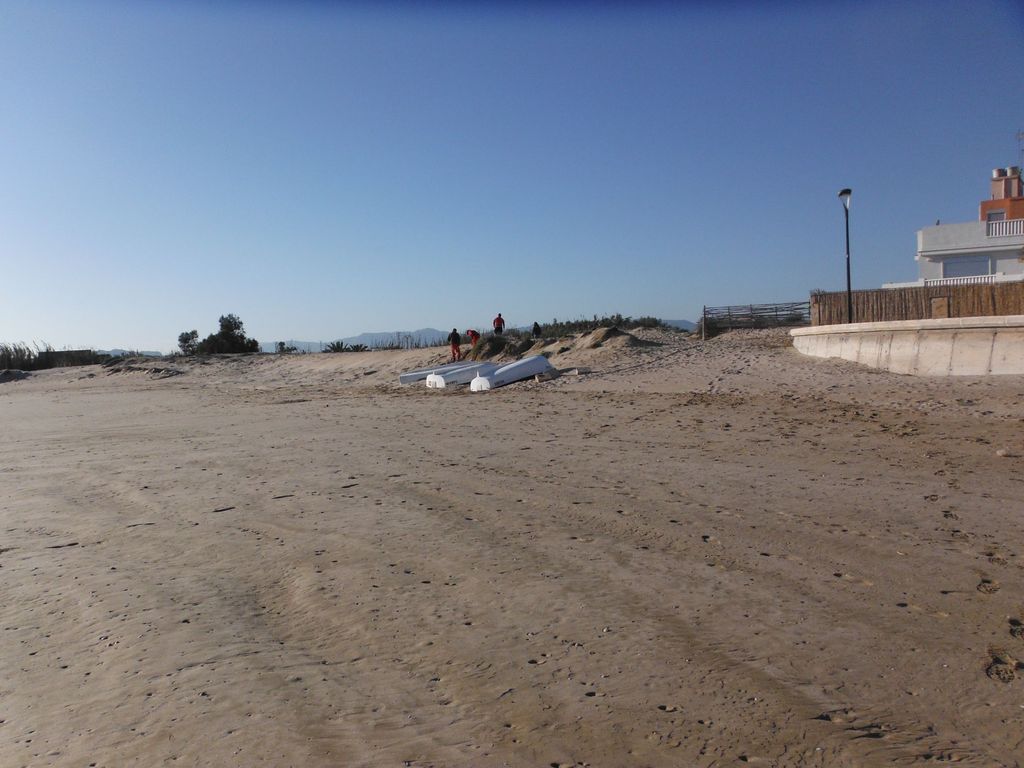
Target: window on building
{"x": 965, "y": 266}
{"x": 996, "y": 216}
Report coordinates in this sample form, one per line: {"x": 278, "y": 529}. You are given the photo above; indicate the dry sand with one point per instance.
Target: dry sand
{"x": 698, "y": 554}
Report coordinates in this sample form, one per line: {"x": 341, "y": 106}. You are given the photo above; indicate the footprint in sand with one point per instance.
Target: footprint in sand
{"x": 1017, "y": 629}
{"x": 844, "y": 715}
{"x": 996, "y": 558}
{"x": 1002, "y": 666}
{"x": 988, "y": 586}
{"x": 1004, "y": 673}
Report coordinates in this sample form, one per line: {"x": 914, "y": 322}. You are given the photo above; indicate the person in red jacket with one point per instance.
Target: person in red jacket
{"x": 474, "y": 337}
{"x": 499, "y": 325}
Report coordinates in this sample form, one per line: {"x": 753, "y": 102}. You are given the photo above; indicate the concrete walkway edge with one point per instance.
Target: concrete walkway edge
{"x": 962, "y": 346}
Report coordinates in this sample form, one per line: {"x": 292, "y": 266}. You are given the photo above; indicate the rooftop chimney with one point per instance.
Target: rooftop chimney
{"x": 1007, "y": 200}
{"x": 1006, "y": 183}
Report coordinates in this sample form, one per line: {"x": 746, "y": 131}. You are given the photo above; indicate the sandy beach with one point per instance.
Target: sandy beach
{"x": 695, "y": 554}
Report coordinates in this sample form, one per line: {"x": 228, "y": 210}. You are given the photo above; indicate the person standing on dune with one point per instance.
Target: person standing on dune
{"x": 456, "y": 341}
{"x": 499, "y": 325}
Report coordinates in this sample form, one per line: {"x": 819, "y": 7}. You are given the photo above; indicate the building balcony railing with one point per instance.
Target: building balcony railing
{"x": 1006, "y": 228}
{"x": 998, "y": 277}
{"x": 972, "y": 280}
{"x": 921, "y": 282}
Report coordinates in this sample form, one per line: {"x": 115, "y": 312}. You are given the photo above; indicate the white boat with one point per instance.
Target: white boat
{"x": 420, "y": 374}
{"x": 507, "y": 374}
{"x": 462, "y": 375}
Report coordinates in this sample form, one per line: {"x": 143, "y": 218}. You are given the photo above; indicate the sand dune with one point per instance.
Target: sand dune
{"x": 698, "y": 554}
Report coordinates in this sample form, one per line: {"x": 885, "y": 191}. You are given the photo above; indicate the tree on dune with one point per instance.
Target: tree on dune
{"x": 187, "y": 342}
{"x": 230, "y": 338}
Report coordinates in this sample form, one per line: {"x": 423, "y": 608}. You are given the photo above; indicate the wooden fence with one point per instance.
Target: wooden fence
{"x": 716, "y": 319}
{"x": 923, "y": 303}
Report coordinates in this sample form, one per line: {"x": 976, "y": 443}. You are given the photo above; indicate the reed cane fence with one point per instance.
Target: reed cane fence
{"x": 919, "y": 303}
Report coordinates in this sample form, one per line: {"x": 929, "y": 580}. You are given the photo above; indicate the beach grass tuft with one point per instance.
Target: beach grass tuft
{"x": 35, "y": 358}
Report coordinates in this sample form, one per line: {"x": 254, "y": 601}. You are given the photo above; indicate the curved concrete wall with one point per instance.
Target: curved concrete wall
{"x": 963, "y": 346}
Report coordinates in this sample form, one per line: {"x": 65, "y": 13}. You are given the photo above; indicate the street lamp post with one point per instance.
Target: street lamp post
{"x": 844, "y": 197}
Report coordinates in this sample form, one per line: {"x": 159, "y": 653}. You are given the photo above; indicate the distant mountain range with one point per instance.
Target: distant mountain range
{"x": 424, "y": 337}
{"x": 122, "y": 352}
{"x": 685, "y": 325}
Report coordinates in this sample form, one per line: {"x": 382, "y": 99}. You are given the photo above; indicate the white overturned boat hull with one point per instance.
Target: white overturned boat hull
{"x": 462, "y": 375}
{"x": 507, "y": 374}
{"x": 420, "y": 374}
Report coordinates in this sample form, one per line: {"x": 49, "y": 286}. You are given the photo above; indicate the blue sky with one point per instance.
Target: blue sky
{"x": 324, "y": 169}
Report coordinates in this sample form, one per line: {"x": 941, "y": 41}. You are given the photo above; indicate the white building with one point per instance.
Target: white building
{"x": 989, "y": 250}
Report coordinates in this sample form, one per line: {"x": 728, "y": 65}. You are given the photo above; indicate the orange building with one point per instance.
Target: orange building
{"x": 1007, "y": 196}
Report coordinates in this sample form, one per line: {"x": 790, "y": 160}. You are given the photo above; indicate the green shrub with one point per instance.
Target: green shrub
{"x": 489, "y": 346}
{"x": 571, "y": 327}
{"x": 341, "y": 346}
{"x": 522, "y": 344}
{"x": 230, "y": 338}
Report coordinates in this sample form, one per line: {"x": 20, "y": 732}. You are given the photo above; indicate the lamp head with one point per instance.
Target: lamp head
{"x": 844, "y": 197}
